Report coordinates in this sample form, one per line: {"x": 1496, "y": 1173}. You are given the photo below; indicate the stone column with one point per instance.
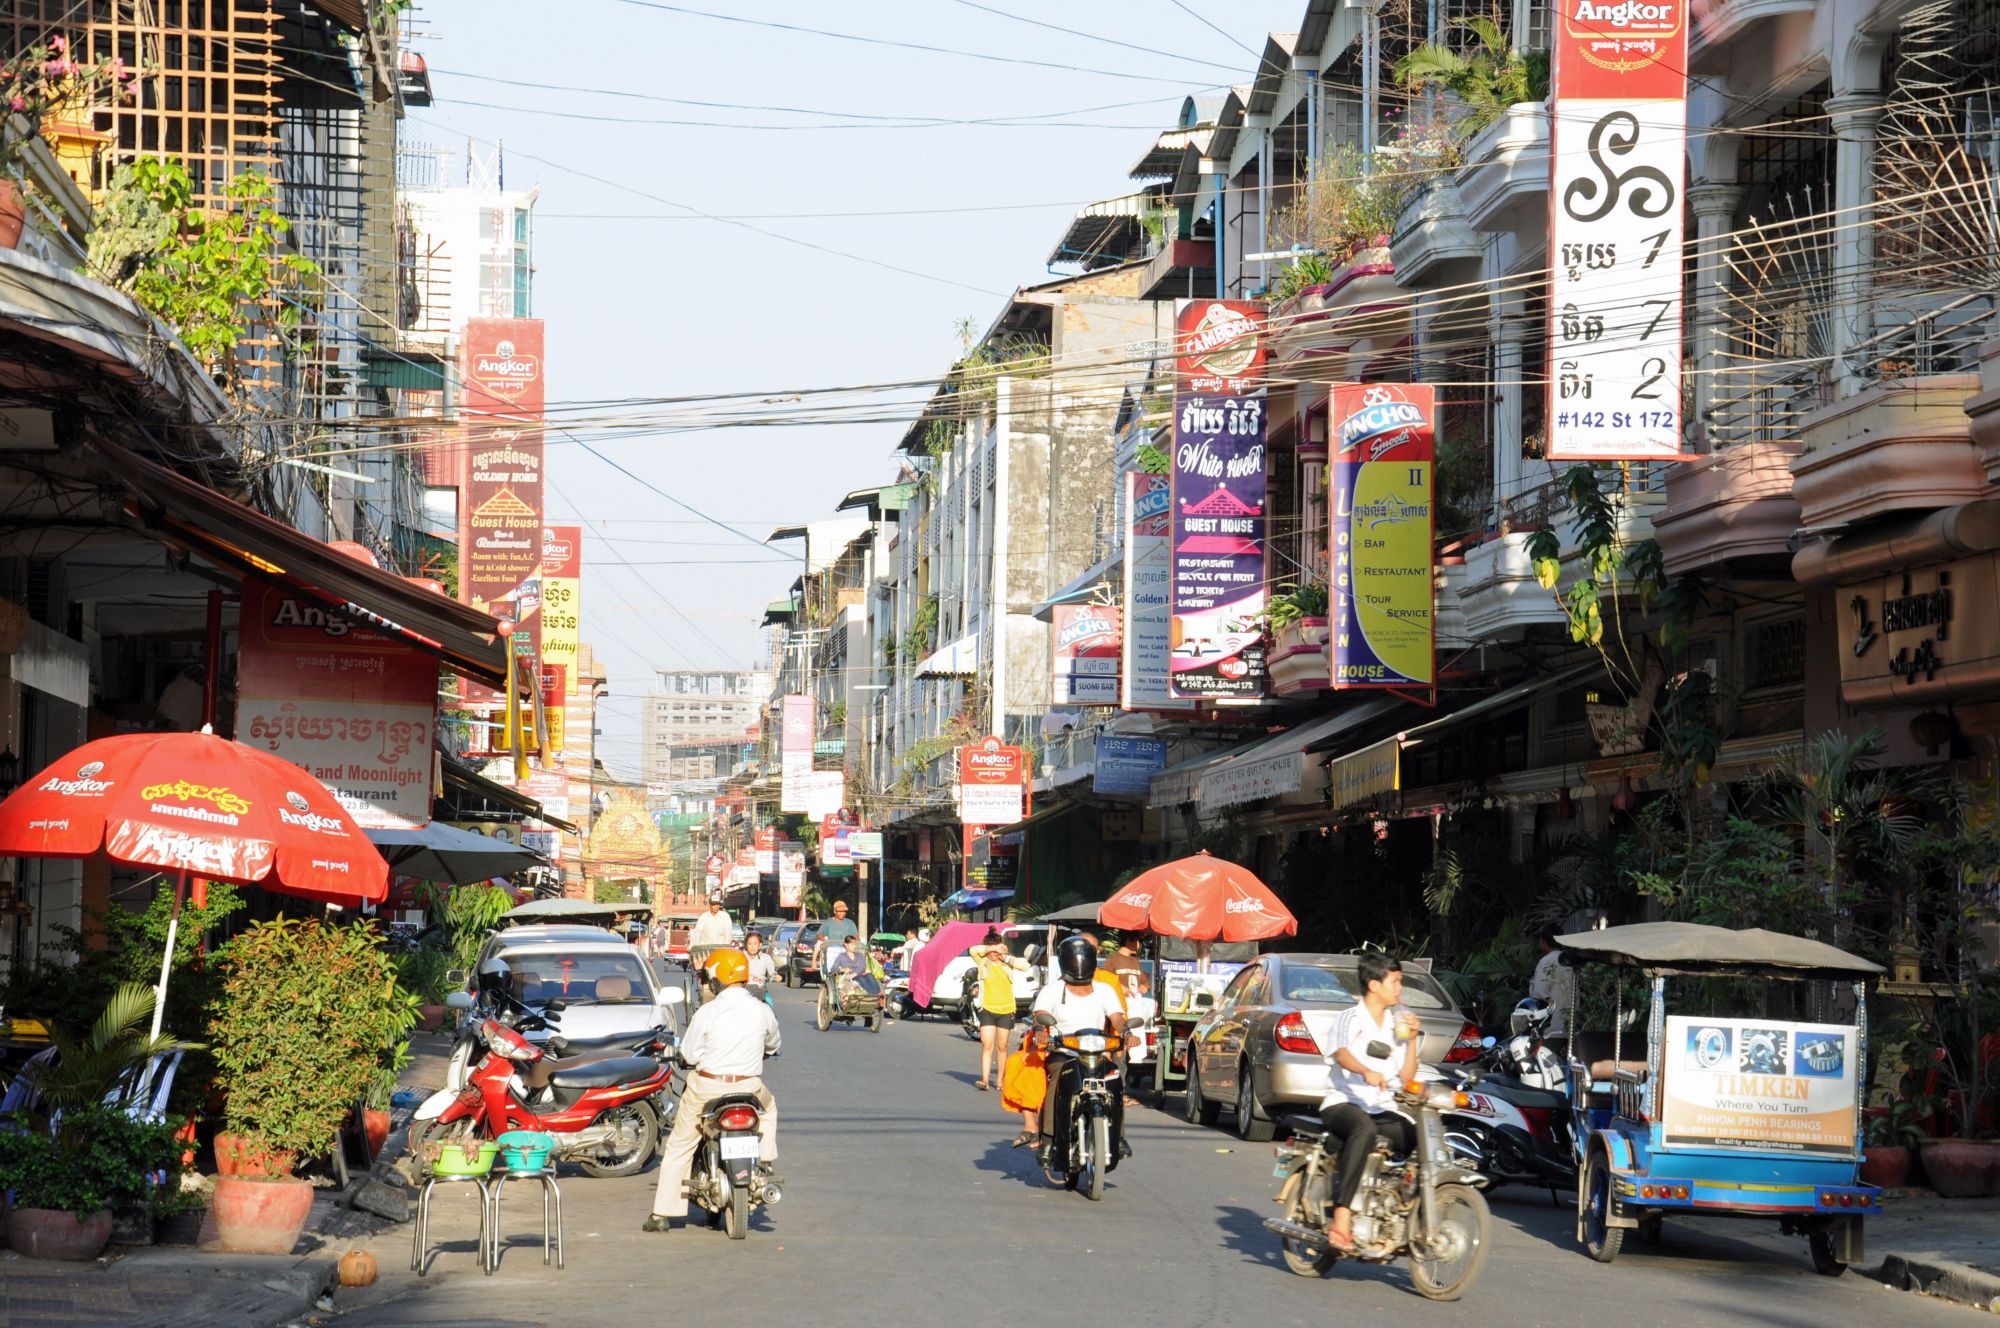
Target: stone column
{"x": 1509, "y": 335}
{"x": 1714, "y": 214}
{"x": 1855, "y": 116}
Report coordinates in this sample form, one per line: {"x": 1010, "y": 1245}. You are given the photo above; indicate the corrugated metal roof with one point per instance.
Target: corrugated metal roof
{"x": 1102, "y": 232}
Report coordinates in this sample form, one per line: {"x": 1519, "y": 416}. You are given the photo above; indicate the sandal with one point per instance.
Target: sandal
{"x": 981, "y": 1085}
{"x": 1023, "y": 1140}
{"x": 1345, "y": 1244}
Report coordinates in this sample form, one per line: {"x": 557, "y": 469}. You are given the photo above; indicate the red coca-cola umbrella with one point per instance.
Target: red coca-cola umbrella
{"x": 1200, "y": 899}
{"x": 198, "y": 806}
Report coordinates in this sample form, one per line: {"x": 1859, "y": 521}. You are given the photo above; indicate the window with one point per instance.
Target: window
{"x": 1319, "y": 985}
{"x": 1774, "y": 653}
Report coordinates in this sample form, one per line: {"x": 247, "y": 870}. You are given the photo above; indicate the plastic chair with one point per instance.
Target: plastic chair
{"x": 421, "y": 1240}
{"x": 496, "y": 1186}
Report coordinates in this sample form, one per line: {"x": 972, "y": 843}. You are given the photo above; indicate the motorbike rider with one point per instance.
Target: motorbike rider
{"x": 724, "y": 1048}
{"x": 1077, "y": 1004}
{"x": 1360, "y": 1105}
{"x": 763, "y": 968}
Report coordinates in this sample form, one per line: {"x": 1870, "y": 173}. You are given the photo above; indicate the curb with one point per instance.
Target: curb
{"x": 1957, "y": 1282}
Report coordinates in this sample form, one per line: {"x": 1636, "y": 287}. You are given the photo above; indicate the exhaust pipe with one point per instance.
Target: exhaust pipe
{"x": 1294, "y": 1231}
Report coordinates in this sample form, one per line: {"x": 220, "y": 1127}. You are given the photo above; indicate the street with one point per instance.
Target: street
{"x": 902, "y": 1200}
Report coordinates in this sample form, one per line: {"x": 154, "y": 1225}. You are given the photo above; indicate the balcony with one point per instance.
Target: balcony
{"x": 1731, "y": 509}
{"x": 1297, "y": 658}
{"x": 1360, "y": 316}
{"x": 1498, "y": 597}
{"x": 1984, "y": 412}
{"x": 1434, "y": 241}
{"x": 1505, "y": 179}
{"x": 1179, "y": 268}
{"x": 1898, "y": 446}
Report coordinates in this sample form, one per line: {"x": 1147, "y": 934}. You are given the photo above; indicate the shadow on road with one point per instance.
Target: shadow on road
{"x": 1018, "y": 1163}
{"x": 1243, "y": 1232}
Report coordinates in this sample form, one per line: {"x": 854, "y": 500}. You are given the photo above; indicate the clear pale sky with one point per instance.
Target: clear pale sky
{"x": 643, "y": 299}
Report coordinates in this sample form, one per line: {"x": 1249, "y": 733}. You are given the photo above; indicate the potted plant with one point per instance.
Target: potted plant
{"x": 41, "y": 84}
{"x": 67, "y": 1182}
{"x": 304, "y": 1009}
{"x": 1296, "y": 621}
{"x": 1888, "y": 1136}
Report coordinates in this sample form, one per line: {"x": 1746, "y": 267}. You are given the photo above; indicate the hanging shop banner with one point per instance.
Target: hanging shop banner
{"x": 791, "y": 873}
{"x": 562, "y": 603}
{"x": 1220, "y": 346}
{"x": 1618, "y": 145}
{"x": 1762, "y": 1084}
{"x": 1125, "y": 766}
{"x": 992, "y": 783}
{"x": 354, "y": 709}
{"x": 1089, "y": 639}
{"x": 1365, "y": 777}
{"x": 1149, "y": 607}
{"x": 501, "y": 368}
{"x": 795, "y": 752}
{"x": 1218, "y": 586}
{"x": 767, "y": 849}
{"x": 501, "y": 548}
{"x": 826, "y": 792}
{"x": 555, "y": 687}
{"x": 1382, "y": 525}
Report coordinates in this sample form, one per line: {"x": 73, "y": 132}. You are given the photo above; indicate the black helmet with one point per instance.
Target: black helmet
{"x": 493, "y": 975}
{"x": 1077, "y": 958}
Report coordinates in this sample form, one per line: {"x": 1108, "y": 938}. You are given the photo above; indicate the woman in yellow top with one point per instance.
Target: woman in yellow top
{"x": 996, "y": 1006}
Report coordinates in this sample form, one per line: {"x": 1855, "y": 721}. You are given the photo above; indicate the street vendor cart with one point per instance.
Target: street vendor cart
{"x": 1716, "y": 1113}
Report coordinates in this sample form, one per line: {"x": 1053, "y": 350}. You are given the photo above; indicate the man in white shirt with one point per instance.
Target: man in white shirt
{"x": 1367, "y": 1062}
{"x": 724, "y": 1047}
{"x": 1078, "y": 1004}
{"x": 1554, "y": 982}
{"x": 712, "y": 928}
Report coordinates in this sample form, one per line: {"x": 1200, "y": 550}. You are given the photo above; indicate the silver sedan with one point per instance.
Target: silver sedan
{"x": 1261, "y": 1048}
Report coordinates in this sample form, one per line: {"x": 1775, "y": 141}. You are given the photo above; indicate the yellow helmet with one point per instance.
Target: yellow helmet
{"x": 727, "y": 967}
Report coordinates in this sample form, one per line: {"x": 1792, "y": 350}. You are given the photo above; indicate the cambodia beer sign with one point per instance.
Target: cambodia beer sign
{"x": 1218, "y": 586}
{"x": 1760, "y": 1084}
{"x": 1219, "y": 346}
{"x": 992, "y": 783}
{"x": 1381, "y": 519}
{"x": 1617, "y": 149}
{"x": 352, "y": 708}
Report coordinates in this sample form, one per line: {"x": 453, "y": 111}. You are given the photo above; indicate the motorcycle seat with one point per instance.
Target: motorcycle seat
{"x": 605, "y": 1073}
{"x": 1521, "y": 1095}
{"x": 1304, "y": 1126}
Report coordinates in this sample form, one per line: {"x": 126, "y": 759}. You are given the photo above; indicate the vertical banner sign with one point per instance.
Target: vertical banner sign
{"x": 795, "y": 753}
{"x": 353, "y": 708}
{"x": 1149, "y": 609}
{"x": 1219, "y": 347}
{"x": 791, "y": 873}
{"x": 500, "y": 506}
{"x": 992, "y": 783}
{"x": 1088, "y": 643}
{"x": 1617, "y": 148}
{"x": 1381, "y": 519}
{"x": 1218, "y": 587}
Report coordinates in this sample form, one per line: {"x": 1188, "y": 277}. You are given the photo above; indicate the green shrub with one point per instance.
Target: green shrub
{"x": 101, "y": 1158}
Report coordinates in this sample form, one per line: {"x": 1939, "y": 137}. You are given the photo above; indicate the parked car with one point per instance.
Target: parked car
{"x": 778, "y": 943}
{"x": 958, "y": 981}
{"x": 1261, "y": 1049}
{"x": 608, "y": 993}
{"x": 767, "y": 927}
{"x": 797, "y": 966}
{"x": 540, "y": 933}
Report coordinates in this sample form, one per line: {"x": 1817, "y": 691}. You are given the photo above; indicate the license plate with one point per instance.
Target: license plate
{"x": 739, "y": 1145}
{"x": 1282, "y": 1170}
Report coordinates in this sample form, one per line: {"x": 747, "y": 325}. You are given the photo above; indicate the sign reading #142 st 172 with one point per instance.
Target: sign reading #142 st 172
{"x": 1617, "y": 148}
{"x": 1382, "y": 526}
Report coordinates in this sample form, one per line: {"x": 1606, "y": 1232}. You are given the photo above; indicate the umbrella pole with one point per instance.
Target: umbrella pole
{"x": 167, "y": 959}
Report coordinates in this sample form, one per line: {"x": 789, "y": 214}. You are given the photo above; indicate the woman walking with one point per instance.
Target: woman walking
{"x": 996, "y": 1005}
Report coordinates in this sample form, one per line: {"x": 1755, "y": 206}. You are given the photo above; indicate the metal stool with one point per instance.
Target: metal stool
{"x": 420, "y": 1245}
{"x": 497, "y": 1186}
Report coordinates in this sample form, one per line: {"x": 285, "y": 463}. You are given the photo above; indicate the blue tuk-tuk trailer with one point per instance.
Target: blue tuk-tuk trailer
{"x": 1716, "y": 1115}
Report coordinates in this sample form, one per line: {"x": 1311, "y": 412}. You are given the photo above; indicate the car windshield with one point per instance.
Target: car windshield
{"x": 1321, "y": 985}
{"x": 580, "y": 979}
{"x": 1420, "y": 990}
{"x": 1220, "y": 952}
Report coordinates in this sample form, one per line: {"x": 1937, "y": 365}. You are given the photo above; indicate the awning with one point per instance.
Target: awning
{"x": 975, "y": 899}
{"x": 1102, "y": 231}
{"x": 244, "y": 540}
{"x": 1041, "y": 817}
{"x": 459, "y": 776}
{"x": 958, "y": 659}
{"x": 1511, "y": 698}
{"x": 1276, "y": 765}
{"x": 445, "y": 853}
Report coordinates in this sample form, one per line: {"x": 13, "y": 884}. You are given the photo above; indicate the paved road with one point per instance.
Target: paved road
{"x": 904, "y": 1205}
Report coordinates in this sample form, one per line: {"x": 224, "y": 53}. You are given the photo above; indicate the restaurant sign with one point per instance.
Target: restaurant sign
{"x": 1922, "y": 636}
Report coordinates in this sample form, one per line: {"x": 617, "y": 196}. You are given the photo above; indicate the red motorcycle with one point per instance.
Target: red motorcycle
{"x": 605, "y": 1112}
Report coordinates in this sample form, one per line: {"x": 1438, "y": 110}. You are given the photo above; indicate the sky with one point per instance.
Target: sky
{"x": 646, "y": 294}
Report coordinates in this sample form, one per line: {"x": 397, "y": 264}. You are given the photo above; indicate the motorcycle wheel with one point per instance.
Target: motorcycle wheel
{"x": 1310, "y": 1207}
{"x": 431, "y": 1132}
{"x": 646, "y": 1118}
{"x": 1248, "y": 1127}
{"x": 875, "y": 1022}
{"x": 1601, "y": 1240}
{"x": 1090, "y": 1179}
{"x": 823, "y": 1012}
{"x": 736, "y": 1218}
{"x": 969, "y": 1020}
{"x": 1462, "y": 1223}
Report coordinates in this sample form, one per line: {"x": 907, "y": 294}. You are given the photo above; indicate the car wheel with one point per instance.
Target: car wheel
{"x": 1251, "y": 1125}
{"x": 791, "y": 977}
{"x": 1198, "y": 1110}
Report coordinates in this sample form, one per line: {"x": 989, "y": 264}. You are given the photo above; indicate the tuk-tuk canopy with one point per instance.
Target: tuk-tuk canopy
{"x": 1688, "y": 947}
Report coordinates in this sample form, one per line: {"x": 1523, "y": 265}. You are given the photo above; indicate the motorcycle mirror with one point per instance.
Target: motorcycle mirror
{"x": 459, "y": 1000}
{"x": 672, "y": 996}
{"x": 556, "y": 1006}
{"x": 1204, "y": 1001}
{"x": 1035, "y": 953}
{"x": 455, "y": 976}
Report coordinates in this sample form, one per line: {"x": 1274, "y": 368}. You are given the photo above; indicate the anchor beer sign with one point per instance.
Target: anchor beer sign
{"x": 1382, "y": 527}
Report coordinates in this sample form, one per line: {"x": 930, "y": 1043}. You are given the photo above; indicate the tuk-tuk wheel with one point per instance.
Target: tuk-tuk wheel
{"x": 1821, "y": 1244}
{"x": 1601, "y": 1240}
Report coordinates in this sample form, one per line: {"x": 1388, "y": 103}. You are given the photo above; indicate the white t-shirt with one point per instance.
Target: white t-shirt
{"x": 1078, "y": 1014}
{"x": 1555, "y": 983}
{"x": 1353, "y": 1030}
{"x": 763, "y": 968}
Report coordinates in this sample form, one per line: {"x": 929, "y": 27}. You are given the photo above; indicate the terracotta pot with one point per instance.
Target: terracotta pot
{"x": 430, "y": 1018}
{"x": 234, "y": 1156}
{"x": 13, "y": 213}
{"x": 1963, "y": 1168}
{"x": 53, "y": 1233}
{"x": 375, "y": 1124}
{"x": 1885, "y": 1167}
{"x": 261, "y": 1216}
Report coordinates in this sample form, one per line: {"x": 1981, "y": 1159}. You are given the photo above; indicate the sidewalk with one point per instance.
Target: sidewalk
{"x": 1949, "y": 1248}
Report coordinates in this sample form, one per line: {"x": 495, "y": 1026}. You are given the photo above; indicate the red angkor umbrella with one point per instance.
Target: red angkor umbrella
{"x": 198, "y": 806}
{"x": 1200, "y": 899}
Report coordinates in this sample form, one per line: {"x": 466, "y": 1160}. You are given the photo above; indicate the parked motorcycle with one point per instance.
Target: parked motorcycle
{"x": 1081, "y": 1161}
{"x": 1427, "y": 1206}
{"x": 724, "y": 1179}
{"x": 1515, "y": 1126}
{"x": 606, "y": 1112}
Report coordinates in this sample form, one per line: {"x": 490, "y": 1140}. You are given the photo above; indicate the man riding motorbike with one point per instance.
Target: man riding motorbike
{"x": 1077, "y": 1004}
{"x": 1374, "y": 1048}
{"x": 724, "y": 1048}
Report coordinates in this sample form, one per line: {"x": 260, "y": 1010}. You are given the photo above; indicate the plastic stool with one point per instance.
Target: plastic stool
{"x": 497, "y": 1186}
{"x": 420, "y": 1245}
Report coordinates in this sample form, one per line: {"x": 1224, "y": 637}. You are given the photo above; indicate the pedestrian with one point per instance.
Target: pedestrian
{"x": 1554, "y": 982}
{"x": 996, "y": 1004}
{"x": 1123, "y": 959}
{"x": 1025, "y": 1083}
{"x": 1366, "y": 1064}
{"x": 724, "y": 1047}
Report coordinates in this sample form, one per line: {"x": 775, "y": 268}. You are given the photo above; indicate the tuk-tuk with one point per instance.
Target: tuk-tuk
{"x": 1719, "y": 1115}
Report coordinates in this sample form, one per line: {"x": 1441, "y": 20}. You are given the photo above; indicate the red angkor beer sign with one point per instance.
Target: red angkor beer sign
{"x": 502, "y": 367}
{"x": 992, "y": 783}
{"x": 1220, "y": 346}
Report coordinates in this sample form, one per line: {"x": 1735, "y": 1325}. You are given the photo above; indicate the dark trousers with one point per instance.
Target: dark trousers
{"x": 1358, "y": 1131}
{"x": 1065, "y": 1080}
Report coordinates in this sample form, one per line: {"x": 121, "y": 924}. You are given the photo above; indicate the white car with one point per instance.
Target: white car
{"x": 608, "y": 992}
{"x": 958, "y": 982}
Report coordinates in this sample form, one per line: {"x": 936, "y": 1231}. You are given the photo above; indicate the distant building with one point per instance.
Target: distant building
{"x": 695, "y": 722}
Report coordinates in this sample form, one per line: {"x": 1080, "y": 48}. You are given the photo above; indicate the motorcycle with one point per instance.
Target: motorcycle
{"x": 1081, "y": 1161}
{"x": 724, "y": 1179}
{"x": 1515, "y": 1126}
{"x": 1427, "y": 1206}
{"x": 605, "y": 1112}
{"x": 468, "y": 1045}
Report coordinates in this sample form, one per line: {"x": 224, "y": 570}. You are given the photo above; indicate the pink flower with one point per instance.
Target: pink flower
{"x": 57, "y": 68}
{"x": 57, "y": 44}
{"x": 19, "y": 103}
